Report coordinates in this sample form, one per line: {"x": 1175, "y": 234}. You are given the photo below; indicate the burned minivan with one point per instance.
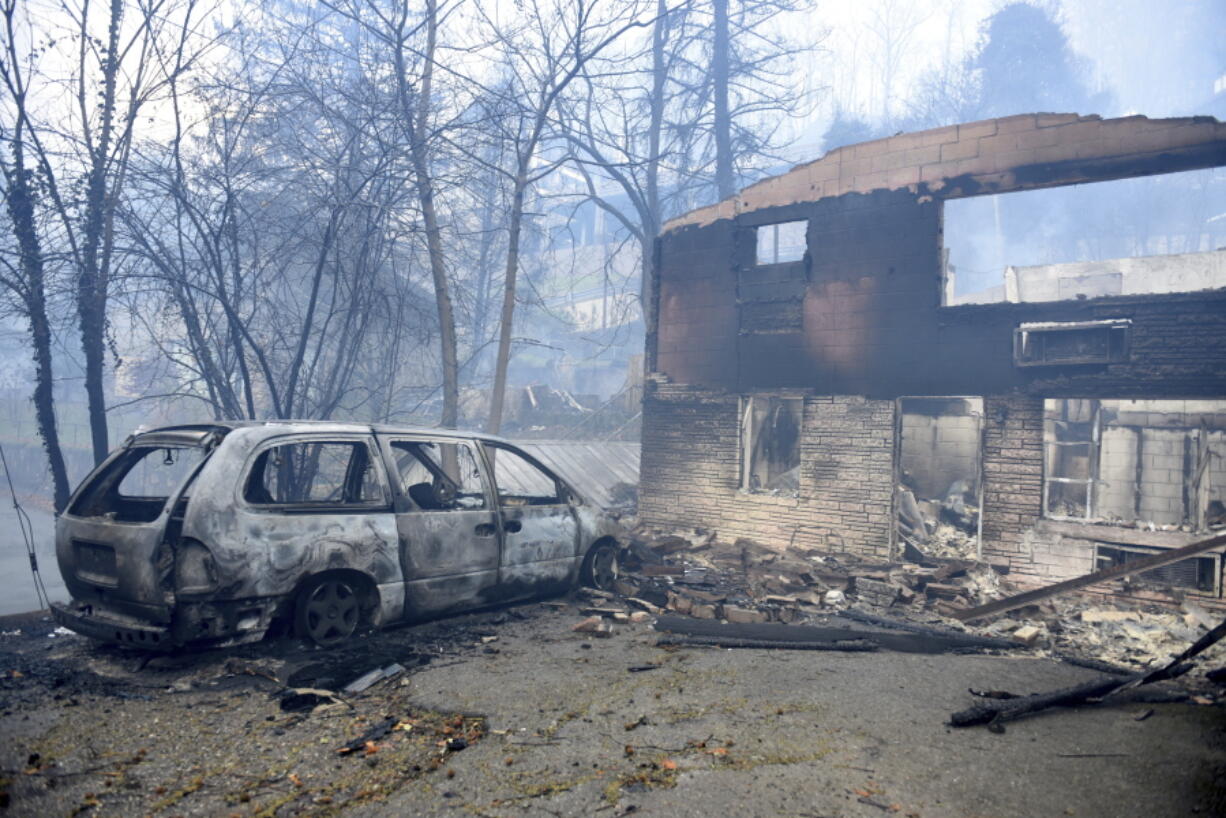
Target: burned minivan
{"x": 211, "y": 533}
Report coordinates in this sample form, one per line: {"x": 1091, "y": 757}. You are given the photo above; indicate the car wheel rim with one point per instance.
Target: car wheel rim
{"x": 604, "y": 568}
{"x": 331, "y": 613}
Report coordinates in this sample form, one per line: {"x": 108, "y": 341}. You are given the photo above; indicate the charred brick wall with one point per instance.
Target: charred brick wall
{"x": 861, "y": 316}
{"x": 691, "y": 472}
{"x": 867, "y": 294}
{"x": 1012, "y": 477}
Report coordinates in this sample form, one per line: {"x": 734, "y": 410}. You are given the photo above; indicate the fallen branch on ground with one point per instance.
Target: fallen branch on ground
{"x": 996, "y": 712}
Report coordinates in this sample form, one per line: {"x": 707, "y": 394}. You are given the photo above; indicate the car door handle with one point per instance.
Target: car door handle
{"x": 513, "y": 526}
{"x": 485, "y": 530}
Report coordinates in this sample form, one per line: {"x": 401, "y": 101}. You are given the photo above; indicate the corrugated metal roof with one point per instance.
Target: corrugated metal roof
{"x": 594, "y": 467}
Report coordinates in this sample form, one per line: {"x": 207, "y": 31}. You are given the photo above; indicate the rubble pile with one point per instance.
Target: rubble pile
{"x": 944, "y": 529}
{"x": 693, "y": 573}
{"x": 1125, "y": 636}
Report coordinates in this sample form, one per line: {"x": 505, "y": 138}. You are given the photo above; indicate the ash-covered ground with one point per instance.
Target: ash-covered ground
{"x": 514, "y": 713}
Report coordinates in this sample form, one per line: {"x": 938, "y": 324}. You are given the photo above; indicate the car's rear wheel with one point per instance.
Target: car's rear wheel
{"x": 328, "y": 611}
{"x": 602, "y": 567}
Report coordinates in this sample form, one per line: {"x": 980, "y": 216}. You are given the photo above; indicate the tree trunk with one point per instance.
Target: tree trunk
{"x": 21, "y": 210}
{"x": 92, "y": 275}
{"x": 434, "y": 241}
{"x": 725, "y": 184}
{"x": 508, "y": 303}
{"x": 651, "y": 225}
{"x": 291, "y": 391}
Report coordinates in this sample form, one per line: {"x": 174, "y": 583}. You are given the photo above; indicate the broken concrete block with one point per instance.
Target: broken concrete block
{"x": 644, "y": 605}
{"x": 704, "y": 596}
{"x": 944, "y": 591}
{"x": 639, "y": 617}
{"x": 809, "y": 598}
{"x": 701, "y": 610}
{"x": 680, "y": 604}
{"x": 625, "y": 588}
{"x": 1096, "y": 616}
{"x": 949, "y": 607}
{"x": 834, "y": 597}
{"x": 1027, "y": 634}
{"x": 589, "y": 625}
{"x": 787, "y": 615}
{"x": 874, "y": 591}
{"x": 742, "y": 616}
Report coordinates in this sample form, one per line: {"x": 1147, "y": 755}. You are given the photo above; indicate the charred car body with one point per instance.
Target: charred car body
{"x": 211, "y": 533}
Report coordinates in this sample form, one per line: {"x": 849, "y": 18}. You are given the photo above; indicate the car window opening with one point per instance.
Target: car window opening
{"x": 521, "y": 482}
{"x": 135, "y": 486}
{"x": 327, "y": 473}
{"x": 439, "y": 476}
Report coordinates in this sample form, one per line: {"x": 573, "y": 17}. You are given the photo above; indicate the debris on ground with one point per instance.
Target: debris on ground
{"x": 1119, "y": 571}
{"x": 374, "y": 676}
{"x": 692, "y": 573}
{"x": 994, "y": 713}
{"x": 808, "y": 637}
{"x": 294, "y": 699}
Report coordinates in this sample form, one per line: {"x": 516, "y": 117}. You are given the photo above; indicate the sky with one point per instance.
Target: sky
{"x": 1156, "y": 57}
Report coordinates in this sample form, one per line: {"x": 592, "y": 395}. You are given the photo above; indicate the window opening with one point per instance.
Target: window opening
{"x": 782, "y": 242}
{"x": 939, "y": 476}
{"x": 137, "y": 484}
{"x": 1136, "y": 462}
{"x": 1201, "y": 573}
{"x": 439, "y": 476}
{"x": 770, "y": 444}
{"x": 521, "y": 482}
{"x": 315, "y": 473}
{"x": 1155, "y": 234}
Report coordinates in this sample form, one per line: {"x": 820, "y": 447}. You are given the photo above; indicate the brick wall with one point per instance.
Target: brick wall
{"x": 995, "y": 155}
{"x": 691, "y": 472}
{"x": 1013, "y": 497}
{"x": 1012, "y": 477}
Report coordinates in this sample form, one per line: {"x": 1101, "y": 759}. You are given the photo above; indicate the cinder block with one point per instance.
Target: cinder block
{"x": 954, "y": 151}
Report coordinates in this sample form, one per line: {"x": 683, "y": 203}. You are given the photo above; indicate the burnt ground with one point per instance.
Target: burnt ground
{"x": 512, "y": 713}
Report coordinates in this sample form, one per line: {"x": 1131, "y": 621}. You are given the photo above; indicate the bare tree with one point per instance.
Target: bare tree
{"x": 120, "y": 57}
{"x": 646, "y": 133}
{"x": 743, "y": 80}
{"x": 538, "y": 60}
{"x": 892, "y": 25}
{"x": 275, "y": 237}
{"x": 26, "y": 280}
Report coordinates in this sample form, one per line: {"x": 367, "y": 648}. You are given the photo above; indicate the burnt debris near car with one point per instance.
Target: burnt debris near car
{"x": 208, "y": 534}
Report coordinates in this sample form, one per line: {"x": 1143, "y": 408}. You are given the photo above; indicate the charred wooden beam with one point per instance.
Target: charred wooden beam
{"x": 1105, "y": 575}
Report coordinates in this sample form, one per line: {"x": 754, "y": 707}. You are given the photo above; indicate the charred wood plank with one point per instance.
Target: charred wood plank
{"x": 775, "y": 632}
{"x": 996, "y": 711}
{"x": 850, "y": 645}
{"x": 969, "y": 640}
{"x": 1105, "y": 575}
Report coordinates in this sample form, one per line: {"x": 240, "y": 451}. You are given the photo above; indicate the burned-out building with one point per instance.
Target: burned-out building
{"x": 937, "y": 329}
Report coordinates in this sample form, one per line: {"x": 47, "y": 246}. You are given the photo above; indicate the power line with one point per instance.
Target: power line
{"x": 27, "y": 535}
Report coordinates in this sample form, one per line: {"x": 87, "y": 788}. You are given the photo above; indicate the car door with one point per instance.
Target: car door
{"x": 540, "y": 528}
{"x": 449, "y": 537}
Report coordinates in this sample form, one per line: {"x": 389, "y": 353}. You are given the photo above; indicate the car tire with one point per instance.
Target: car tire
{"x": 602, "y": 566}
{"x": 328, "y": 611}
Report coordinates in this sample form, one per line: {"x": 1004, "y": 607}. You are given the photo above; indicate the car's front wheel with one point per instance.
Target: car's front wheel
{"x": 602, "y": 567}
{"x": 328, "y": 611}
